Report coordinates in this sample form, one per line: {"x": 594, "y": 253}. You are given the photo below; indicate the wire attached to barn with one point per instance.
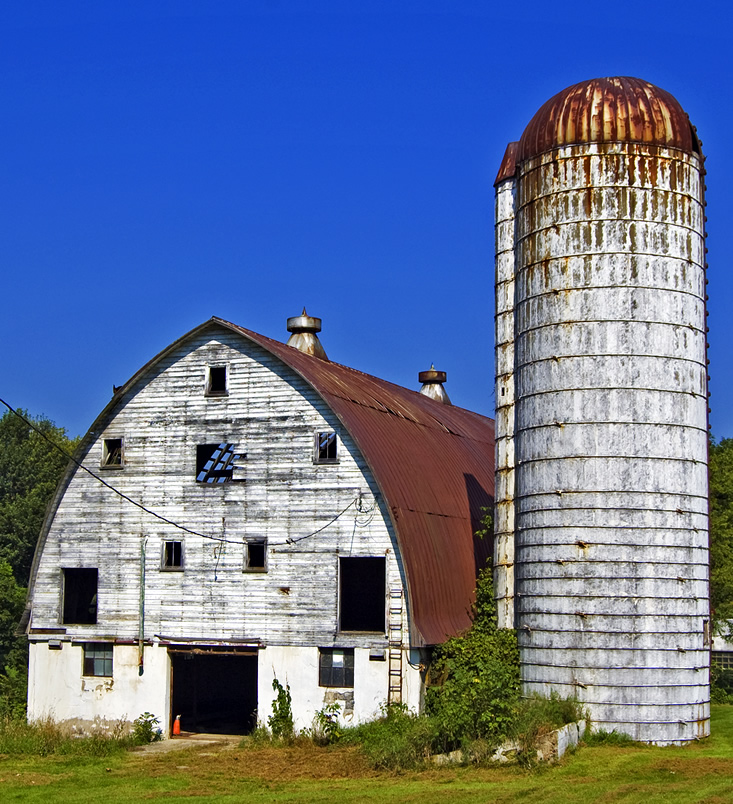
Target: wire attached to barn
{"x": 70, "y": 457}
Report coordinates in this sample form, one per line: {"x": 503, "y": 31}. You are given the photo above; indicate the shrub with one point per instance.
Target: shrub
{"x": 146, "y": 729}
{"x": 281, "y": 719}
{"x": 473, "y": 681}
{"x": 326, "y": 729}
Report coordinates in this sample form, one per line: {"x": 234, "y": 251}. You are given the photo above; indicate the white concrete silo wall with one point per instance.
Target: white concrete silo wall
{"x": 611, "y": 539}
{"x": 504, "y": 393}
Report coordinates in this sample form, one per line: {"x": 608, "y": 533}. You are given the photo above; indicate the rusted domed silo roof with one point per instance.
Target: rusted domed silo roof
{"x": 619, "y": 109}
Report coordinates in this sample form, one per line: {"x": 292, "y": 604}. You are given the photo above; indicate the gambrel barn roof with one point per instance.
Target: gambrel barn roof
{"x": 433, "y": 464}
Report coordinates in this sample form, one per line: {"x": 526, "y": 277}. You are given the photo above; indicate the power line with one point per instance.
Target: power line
{"x": 139, "y": 505}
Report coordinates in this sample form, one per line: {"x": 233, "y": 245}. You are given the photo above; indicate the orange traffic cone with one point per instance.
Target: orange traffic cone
{"x": 177, "y": 726}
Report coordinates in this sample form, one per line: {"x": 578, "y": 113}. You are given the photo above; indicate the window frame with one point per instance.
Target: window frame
{"x": 326, "y": 668}
{"x": 65, "y": 597}
{"x": 107, "y": 453}
{"x": 220, "y": 476}
{"x": 319, "y": 457}
{"x": 364, "y": 605}
{"x": 208, "y": 391}
{"x": 90, "y": 661}
{"x": 247, "y": 566}
{"x": 164, "y": 566}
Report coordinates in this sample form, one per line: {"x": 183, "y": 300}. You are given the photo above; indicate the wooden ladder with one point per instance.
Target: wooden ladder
{"x": 395, "y": 646}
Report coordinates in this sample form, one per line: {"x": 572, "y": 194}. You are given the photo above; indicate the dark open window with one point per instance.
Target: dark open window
{"x": 215, "y": 463}
{"x": 98, "y": 659}
{"x": 172, "y": 556}
{"x": 216, "y": 382}
{"x": 112, "y": 452}
{"x": 336, "y": 667}
{"x": 326, "y": 444}
{"x": 80, "y": 596}
{"x": 256, "y": 557}
{"x": 362, "y": 594}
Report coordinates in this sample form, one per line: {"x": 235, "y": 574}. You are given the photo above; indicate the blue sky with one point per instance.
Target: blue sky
{"x": 163, "y": 162}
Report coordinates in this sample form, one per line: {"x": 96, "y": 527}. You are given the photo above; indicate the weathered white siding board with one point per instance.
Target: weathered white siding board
{"x": 269, "y": 414}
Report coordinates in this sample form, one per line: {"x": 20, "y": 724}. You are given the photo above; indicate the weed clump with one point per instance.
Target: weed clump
{"x": 45, "y": 737}
{"x": 397, "y": 740}
{"x": 602, "y": 737}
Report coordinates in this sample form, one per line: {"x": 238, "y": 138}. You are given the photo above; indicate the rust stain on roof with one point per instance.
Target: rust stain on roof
{"x": 620, "y": 109}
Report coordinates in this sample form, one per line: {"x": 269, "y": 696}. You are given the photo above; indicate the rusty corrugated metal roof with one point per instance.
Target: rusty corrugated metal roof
{"x": 508, "y": 165}
{"x": 620, "y": 109}
{"x": 434, "y": 465}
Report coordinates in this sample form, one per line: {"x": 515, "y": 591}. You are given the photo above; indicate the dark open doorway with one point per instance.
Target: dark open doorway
{"x": 215, "y": 693}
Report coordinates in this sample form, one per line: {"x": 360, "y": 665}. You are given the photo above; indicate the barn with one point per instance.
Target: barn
{"x": 244, "y": 511}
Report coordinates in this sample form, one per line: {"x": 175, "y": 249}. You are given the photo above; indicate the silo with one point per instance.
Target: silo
{"x": 602, "y": 408}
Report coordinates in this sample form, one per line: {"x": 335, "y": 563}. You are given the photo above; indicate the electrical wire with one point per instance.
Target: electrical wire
{"x": 162, "y": 518}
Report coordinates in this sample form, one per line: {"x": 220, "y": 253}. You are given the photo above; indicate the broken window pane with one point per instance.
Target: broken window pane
{"x": 215, "y": 463}
{"x": 256, "y": 555}
{"x": 326, "y": 448}
{"x": 80, "y": 596}
{"x": 98, "y": 659}
{"x": 112, "y": 452}
{"x": 362, "y": 599}
{"x": 216, "y": 383}
{"x": 336, "y": 667}
{"x": 173, "y": 555}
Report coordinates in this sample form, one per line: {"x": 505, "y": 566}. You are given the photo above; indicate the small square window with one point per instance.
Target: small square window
{"x": 215, "y": 463}
{"x": 172, "y": 558}
{"x": 216, "y": 381}
{"x": 326, "y": 448}
{"x": 98, "y": 659}
{"x": 256, "y": 556}
{"x": 112, "y": 453}
{"x": 336, "y": 667}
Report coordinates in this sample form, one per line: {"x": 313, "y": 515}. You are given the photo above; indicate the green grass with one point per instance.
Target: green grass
{"x": 701, "y": 772}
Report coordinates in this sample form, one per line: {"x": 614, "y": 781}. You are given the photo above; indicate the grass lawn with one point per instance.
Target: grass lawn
{"x": 702, "y": 772}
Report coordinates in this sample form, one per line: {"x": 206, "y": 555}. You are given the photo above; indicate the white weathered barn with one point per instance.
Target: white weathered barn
{"x": 312, "y": 524}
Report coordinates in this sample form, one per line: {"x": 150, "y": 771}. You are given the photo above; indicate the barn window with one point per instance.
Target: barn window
{"x": 215, "y": 463}
{"x": 336, "y": 667}
{"x": 172, "y": 558}
{"x": 112, "y": 452}
{"x": 98, "y": 659}
{"x": 216, "y": 381}
{"x": 80, "y": 596}
{"x": 362, "y": 594}
{"x": 326, "y": 444}
{"x": 256, "y": 555}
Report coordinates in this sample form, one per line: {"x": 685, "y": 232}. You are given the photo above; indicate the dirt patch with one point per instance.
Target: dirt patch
{"x": 29, "y": 779}
{"x": 264, "y": 764}
{"x": 695, "y": 767}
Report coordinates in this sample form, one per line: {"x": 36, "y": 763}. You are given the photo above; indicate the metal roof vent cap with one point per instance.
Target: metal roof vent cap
{"x": 432, "y": 381}
{"x": 304, "y": 329}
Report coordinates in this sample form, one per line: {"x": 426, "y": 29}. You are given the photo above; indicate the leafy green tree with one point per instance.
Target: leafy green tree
{"x": 721, "y": 534}
{"x": 30, "y": 469}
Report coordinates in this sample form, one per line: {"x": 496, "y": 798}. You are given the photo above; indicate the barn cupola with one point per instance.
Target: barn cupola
{"x": 304, "y": 331}
{"x": 432, "y": 381}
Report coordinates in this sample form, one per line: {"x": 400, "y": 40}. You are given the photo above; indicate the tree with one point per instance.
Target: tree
{"x": 721, "y": 534}
{"x": 30, "y": 469}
